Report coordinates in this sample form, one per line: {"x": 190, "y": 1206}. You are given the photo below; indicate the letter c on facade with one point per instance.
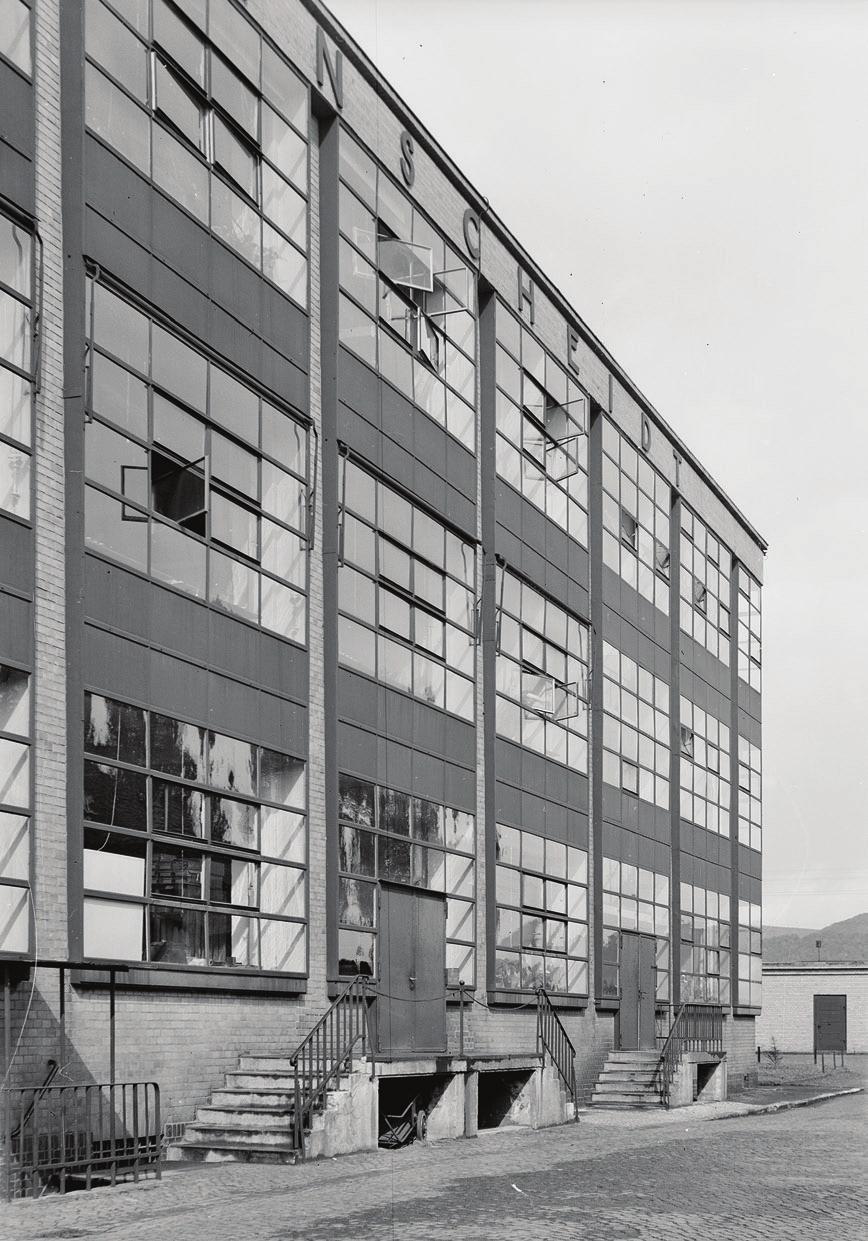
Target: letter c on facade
{"x": 472, "y": 233}
{"x": 646, "y": 433}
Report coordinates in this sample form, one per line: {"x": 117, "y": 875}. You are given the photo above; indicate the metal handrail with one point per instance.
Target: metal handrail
{"x": 327, "y": 1052}
{"x": 695, "y": 1027}
{"x": 69, "y": 1133}
{"x": 38, "y": 1094}
{"x": 551, "y": 1037}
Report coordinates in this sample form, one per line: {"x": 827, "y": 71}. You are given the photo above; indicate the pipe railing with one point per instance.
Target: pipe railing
{"x": 60, "y": 1136}
{"x": 552, "y": 1038}
{"x": 327, "y": 1052}
{"x": 695, "y": 1027}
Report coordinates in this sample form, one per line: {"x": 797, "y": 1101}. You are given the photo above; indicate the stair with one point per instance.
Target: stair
{"x": 627, "y": 1080}
{"x": 249, "y": 1119}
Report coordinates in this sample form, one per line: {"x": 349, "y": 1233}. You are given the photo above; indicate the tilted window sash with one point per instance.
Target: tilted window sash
{"x": 405, "y": 264}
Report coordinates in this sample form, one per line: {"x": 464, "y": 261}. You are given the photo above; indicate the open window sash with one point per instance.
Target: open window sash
{"x": 562, "y": 458}
{"x": 544, "y": 695}
{"x": 134, "y": 484}
{"x": 406, "y": 264}
{"x": 179, "y": 491}
{"x": 537, "y": 693}
{"x": 452, "y": 293}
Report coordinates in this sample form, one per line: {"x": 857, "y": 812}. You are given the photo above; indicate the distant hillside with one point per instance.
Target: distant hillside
{"x": 841, "y": 941}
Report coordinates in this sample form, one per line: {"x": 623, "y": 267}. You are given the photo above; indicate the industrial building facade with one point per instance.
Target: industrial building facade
{"x": 358, "y": 615}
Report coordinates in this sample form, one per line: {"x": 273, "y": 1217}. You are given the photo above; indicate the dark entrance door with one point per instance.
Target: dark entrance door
{"x": 638, "y": 985}
{"x": 411, "y": 1009}
{"x": 830, "y": 1023}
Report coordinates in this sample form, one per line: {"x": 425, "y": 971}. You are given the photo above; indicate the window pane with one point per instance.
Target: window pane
{"x": 282, "y": 779}
{"x": 15, "y": 33}
{"x": 117, "y": 49}
{"x": 177, "y": 935}
{"x": 235, "y": 158}
{"x": 283, "y": 946}
{"x": 112, "y": 795}
{"x": 283, "y": 264}
{"x": 180, "y": 174}
{"x": 118, "y": 395}
{"x": 14, "y": 254}
{"x": 235, "y": 221}
{"x": 115, "y": 529}
{"x": 114, "y": 729}
{"x": 15, "y": 331}
{"x": 113, "y": 930}
{"x": 183, "y": 44}
{"x": 14, "y": 846}
{"x": 114, "y": 116}
{"x": 233, "y": 586}
{"x": 177, "y": 559}
{"x": 235, "y": 96}
{"x": 231, "y": 764}
{"x": 178, "y": 810}
{"x": 14, "y": 480}
{"x": 283, "y": 146}
{"x": 284, "y": 88}
{"x": 120, "y": 329}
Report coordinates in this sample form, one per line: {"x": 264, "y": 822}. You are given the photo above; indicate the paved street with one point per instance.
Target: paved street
{"x": 792, "y": 1175}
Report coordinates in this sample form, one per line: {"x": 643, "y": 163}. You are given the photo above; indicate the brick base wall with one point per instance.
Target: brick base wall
{"x": 739, "y": 1039}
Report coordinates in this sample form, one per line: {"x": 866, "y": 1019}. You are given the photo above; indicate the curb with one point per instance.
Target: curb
{"x": 763, "y": 1109}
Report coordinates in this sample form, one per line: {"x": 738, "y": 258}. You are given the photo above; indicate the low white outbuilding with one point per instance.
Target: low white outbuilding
{"x": 814, "y": 1005}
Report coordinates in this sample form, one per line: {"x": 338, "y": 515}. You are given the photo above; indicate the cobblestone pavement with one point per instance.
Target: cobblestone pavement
{"x": 781, "y": 1177}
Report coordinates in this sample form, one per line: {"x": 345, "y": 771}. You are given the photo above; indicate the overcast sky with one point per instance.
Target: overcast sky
{"x": 693, "y": 174}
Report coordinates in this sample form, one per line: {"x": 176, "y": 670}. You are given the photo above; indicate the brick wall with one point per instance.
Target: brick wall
{"x": 739, "y": 1040}
{"x": 49, "y": 820}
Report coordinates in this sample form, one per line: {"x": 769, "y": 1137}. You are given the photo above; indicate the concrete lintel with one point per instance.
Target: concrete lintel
{"x": 421, "y": 1067}
{"x": 504, "y": 1064}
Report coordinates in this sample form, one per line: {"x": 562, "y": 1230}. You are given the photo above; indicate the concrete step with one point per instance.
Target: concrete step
{"x": 633, "y": 1057}
{"x": 236, "y": 1080}
{"x": 191, "y": 1151}
{"x": 239, "y": 1134}
{"x": 276, "y": 1118}
{"x": 264, "y": 1097}
{"x": 623, "y": 1103}
{"x": 645, "y": 1071}
{"x": 265, "y": 1064}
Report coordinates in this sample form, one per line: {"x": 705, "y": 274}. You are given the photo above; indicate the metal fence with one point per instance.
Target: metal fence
{"x": 67, "y": 1137}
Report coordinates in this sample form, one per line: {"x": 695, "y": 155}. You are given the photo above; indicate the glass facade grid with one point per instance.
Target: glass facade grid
{"x": 199, "y": 102}
{"x": 15, "y": 806}
{"x": 193, "y": 478}
{"x": 705, "y": 757}
{"x": 704, "y": 586}
{"x": 749, "y": 629}
{"x": 750, "y": 947}
{"x": 634, "y": 899}
{"x": 636, "y": 519}
{"x": 406, "y": 594}
{"x": 408, "y": 300}
{"x": 542, "y": 914}
{"x": 542, "y": 674}
{"x": 750, "y": 791}
{"x": 388, "y": 834}
{"x": 17, "y": 360}
{"x": 195, "y": 845}
{"x": 542, "y": 428}
{"x": 705, "y": 945}
{"x": 635, "y": 728}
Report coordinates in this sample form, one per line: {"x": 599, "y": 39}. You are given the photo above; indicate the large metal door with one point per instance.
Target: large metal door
{"x": 638, "y": 985}
{"x": 411, "y": 1008}
{"x": 830, "y": 1023}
